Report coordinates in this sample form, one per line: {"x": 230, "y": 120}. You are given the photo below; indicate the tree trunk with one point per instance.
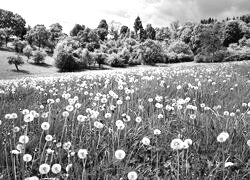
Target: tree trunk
{"x": 16, "y": 67}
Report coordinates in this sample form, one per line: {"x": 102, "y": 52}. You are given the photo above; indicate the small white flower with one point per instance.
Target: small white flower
{"x": 24, "y": 139}
{"x": 120, "y": 154}
{"x": 28, "y": 118}
{"x": 157, "y": 132}
{"x": 45, "y": 126}
{"x": 248, "y": 142}
{"x": 222, "y": 137}
{"x": 27, "y": 157}
{"x": 132, "y": 175}
{"x": 188, "y": 141}
{"x": 44, "y": 168}
{"x": 48, "y": 137}
{"x": 81, "y": 118}
{"x": 65, "y": 114}
{"x": 69, "y": 108}
{"x": 82, "y": 153}
{"x": 138, "y": 119}
{"x": 228, "y": 164}
{"x": 145, "y": 141}
{"x": 98, "y": 125}
{"x": 56, "y": 168}
{"x": 176, "y": 144}
{"x": 68, "y": 167}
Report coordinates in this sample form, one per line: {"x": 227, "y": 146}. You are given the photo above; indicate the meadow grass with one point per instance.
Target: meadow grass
{"x": 165, "y": 123}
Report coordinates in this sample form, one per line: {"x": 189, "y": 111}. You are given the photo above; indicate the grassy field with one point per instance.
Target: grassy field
{"x": 176, "y": 122}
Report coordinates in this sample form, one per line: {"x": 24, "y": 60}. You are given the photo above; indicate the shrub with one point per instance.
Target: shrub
{"x": 219, "y": 56}
{"x": 178, "y": 51}
{"x": 151, "y": 52}
{"x": 99, "y": 57}
{"x": 19, "y": 45}
{"x": 67, "y": 55}
{"x": 86, "y": 58}
{"x": 16, "y": 60}
{"x": 27, "y": 51}
{"x": 39, "y": 56}
{"x": 115, "y": 60}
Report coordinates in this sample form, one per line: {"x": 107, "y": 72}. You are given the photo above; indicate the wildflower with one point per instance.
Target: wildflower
{"x": 24, "y": 139}
{"x": 226, "y": 113}
{"x": 7, "y": 116}
{"x": 68, "y": 167}
{"x": 120, "y": 154}
{"x": 16, "y": 152}
{"x": 67, "y": 145}
{"x": 57, "y": 100}
{"x": 158, "y": 105}
{"x": 107, "y": 115}
{"x": 65, "y": 114}
{"x": 119, "y": 102}
{"x": 98, "y": 125}
{"x": 185, "y": 145}
{"x": 232, "y": 114}
{"x": 25, "y": 111}
{"x": 27, "y": 157}
{"x": 192, "y": 116}
{"x": 0, "y": 122}
{"x": 138, "y": 119}
{"x": 119, "y": 124}
{"x": 248, "y": 142}
{"x": 20, "y": 147}
{"x": 228, "y": 164}
{"x": 145, "y": 141}
{"x": 50, "y": 101}
{"x": 56, "y": 168}
{"x": 222, "y": 137}
{"x": 150, "y": 100}
{"x": 48, "y": 137}
{"x": 45, "y": 126}
{"x": 81, "y": 118}
{"x": 202, "y": 105}
{"x": 157, "y": 132}
{"x": 45, "y": 115}
{"x": 176, "y": 144}
{"x": 160, "y": 116}
{"x": 15, "y": 129}
{"x": 28, "y": 118}
{"x": 44, "y": 168}
{"x": 13, "y": 116}
{"x": 49, "y": 151}
{"x": 132, "y": 175}
{"x": 69, "y": 108}
{"x": 127, "y": 98}
{"x": 82, "y": 153}
{"x": 178, "y": 87}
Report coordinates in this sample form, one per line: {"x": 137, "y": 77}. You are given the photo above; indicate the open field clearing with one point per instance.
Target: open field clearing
{"x": 178, "y": 122}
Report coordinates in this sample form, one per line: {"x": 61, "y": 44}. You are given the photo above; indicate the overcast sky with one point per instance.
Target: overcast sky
{"x": 90, "y": 12}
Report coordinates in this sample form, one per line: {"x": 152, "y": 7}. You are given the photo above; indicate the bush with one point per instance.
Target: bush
{"x": 16, "y": 60}
{"x": 219, "y": 56}
{"x": 27, "y": 51}
{"x": 19, "y": 45}
{"x": 67, "y": 55}
{"x": 99, "y": 57}
{"x": 39, "y": 56}
{"x": 115, "y": 60}
{"x": 178, "y": 51}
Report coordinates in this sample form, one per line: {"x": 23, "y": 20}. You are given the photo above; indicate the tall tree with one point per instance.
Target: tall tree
{"x": 232, "y": 33}
{"x": 76, "y": 29}
{"x": 55, "y": 31}
{"x": 150, "y": 31}
{"x": 102, "y": 29}
{"x": 137, "y": 25}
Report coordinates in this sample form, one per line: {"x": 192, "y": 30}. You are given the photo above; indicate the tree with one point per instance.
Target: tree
{"x": 174, "y": 27}
{"x": 124, "y": 30}
{"x": 27, "y": 51}
{"x": 12, "y": 21}
{"x": 76, "y": 29}
{"x": 232, "y": 33}
{"x": 39, "y": 35}
{"x": 102, "y": 29}
{"x": 137, "y": 24}
{"x": 150, "y": 31}
{"x": 5, "y": 34}
{"x": 16, "y": 60}
{"x": 55, "y": 35}
{"x": 162, "y": 34}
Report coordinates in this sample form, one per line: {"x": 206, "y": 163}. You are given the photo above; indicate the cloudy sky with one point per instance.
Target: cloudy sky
{"x": 90, "y": 12}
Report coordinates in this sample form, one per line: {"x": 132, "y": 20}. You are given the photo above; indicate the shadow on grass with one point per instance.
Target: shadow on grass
{"x": 6, "y": 49}
{"x": 96, "y": 68}
{"x": 41, "y": 64}
{"x": 21, "y": 71}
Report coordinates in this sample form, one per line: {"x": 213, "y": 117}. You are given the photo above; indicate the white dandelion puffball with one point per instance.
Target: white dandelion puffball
{"x": 120, "y": 154}
{"x": 44, "y": 168}
{"x": 132, "y": 175}
{"x": 24, "y": 139}
{"x": 176, "y": 144}
{"x": 27, "y": 157}
{"x": 45, "y": 126}
{"x": 68, "y": 167}
{"x": 222, "y": 137}
{"x": 119, "y": 124}
{"x": 145, "y": 141}
{"x": 98, "y": 125}
{"x": 82, "y": 153}
{"x": 65, "y": 114}
{"x": 138, "y": 119}
{"x": 48, "y": 137}
{"x": 157, "y": 132}
{"x": 56, "y": 168}
{"x": 81, "y": 118}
